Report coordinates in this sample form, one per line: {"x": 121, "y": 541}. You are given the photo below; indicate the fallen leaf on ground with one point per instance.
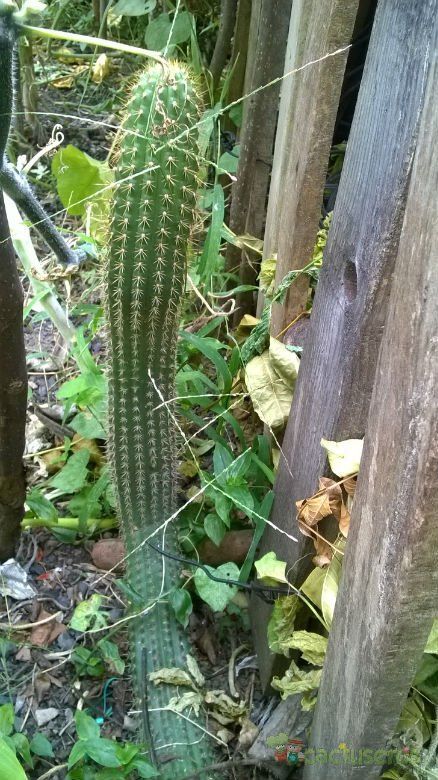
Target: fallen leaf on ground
{"x": 248, "y": 734}
{"x": 47, "y": 633}
{"x": 101, "y": 69}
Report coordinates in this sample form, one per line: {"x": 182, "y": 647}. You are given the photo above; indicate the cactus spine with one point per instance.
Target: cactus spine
{"x": 152, "y": 217}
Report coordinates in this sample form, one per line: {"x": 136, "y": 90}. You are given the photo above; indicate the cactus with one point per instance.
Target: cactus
{"x": 152, "y": 216}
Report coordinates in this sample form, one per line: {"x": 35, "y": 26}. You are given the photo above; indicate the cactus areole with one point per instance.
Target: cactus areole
{"x": 152, "y": 218}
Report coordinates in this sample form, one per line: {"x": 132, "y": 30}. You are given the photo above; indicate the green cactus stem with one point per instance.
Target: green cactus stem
{"x": 152, "y": 218}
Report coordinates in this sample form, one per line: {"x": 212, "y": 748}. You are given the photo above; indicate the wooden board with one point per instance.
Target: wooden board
{"x": 305, "y": 134}
{"x": 338, "y": 367}
{"x": 265, "y": 62}
{"x": 389, "y": 592}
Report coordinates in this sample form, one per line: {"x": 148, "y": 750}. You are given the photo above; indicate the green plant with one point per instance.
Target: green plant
{"x": 94, "y": 756}
{"x": 153, "y": 214}
{"x": 15, "y": 743}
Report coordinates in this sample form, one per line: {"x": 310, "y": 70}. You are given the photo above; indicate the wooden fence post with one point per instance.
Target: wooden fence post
{"x": 265, "y": 62}
{"x": 310, "y": 103}
{"x": 389, "y": 592}
{"x": 338, "y": 366}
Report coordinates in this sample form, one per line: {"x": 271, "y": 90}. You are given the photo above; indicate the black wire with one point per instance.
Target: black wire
{"x": 261, "y": 590}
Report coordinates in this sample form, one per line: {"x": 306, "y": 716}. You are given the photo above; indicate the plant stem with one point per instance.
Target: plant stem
{"x": 91, "y": 40}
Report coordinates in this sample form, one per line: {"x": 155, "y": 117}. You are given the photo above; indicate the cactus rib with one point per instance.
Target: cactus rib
{"x": 152, "y": 217}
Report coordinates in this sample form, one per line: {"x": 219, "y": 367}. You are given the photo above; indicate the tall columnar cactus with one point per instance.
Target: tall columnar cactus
{"x": 152, "y": 216}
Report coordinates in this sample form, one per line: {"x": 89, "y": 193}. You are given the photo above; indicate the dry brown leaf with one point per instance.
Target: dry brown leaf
{"x": 44, "y": 635}
{"x": 312, "y": 510}
{"x": 67, "y": 82}
{"x": 344, "y": 521}
{"x": 324, "y": 551}
{"x": 322, "y": 560}
{"x": 23, "y": 654}
{"x": 350, "y": 485}
{"x": 334, "y": 495}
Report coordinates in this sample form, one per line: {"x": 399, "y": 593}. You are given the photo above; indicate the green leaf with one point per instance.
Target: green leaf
{"x": 41, "y": 746}
{"x": 21, "y": 744}
{"x": 222, "y": 460}
{"x": 86, "y": 425}
{"x": 217, "y": 594}
{"x": 133, "y": 7}
{"x": 239, "y": 468}
{"x": 229, "y": 162}
{"x": 87, "y": 662}
{"x": 181, "y": 602}
{"x": 214, "y": 528}
{"x": 87, "y": 614}
{"x": 210, "y": 349}
{"x": 281, "y": 623}
{"x": 86, "y": 726}
{"x": 111, "y": 656}
{"x": 241, "y": 497}
{"x": 222, "y": 505}
{"x": 235, "y": 113}
{"x": 426, "y": 679}
{"x": 158, "y": 31}
{"x": 73, "y": 475}
{"x": 343, "y": 456}
{"x": 78, "y": 751}
{"x": 296, "y": 680}
{"x": 125, "y": 753}
{"x": 270, "y": 570}
{"x": 330, "y": 587}
{"x": 103, "y": 751}
{"x": 143, "y": 767}
{"x": 432, "y": 642}
{"x": 10, "y": 767}
{"x": 6, "y": 720}
{"x": 313, "y": 647}
{"x": 212, "y": 242}
{"x": 312, "y": 586}
{"x": 271, "y": 394}
{"x": 41, "y": 506}
{"x": 79, "y": 181}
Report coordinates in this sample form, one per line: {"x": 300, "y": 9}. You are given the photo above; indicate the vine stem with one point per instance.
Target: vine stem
{"x": 91, "y": 40}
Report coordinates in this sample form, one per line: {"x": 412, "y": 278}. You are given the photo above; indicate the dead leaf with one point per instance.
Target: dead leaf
{"x": 205, "y": 643}
{"x": 67, "y": 82}
{"x": 41, "y": 686}
{"x": 248, "y": 734}
{"x": 23, "y": 654}
{"x": 334, "y": 494}
{"x": 224, "y": 709}
{"x": 44, "y": 635}
{"x": 324, "y": 552}
{"x": 101, "y": 69}
{"x": 350, "y": 485}
{"x": 225, "y": 735}
{"x": 321, "y": 560}
{"x": 312, "y": 510}
{"x": 344, "y": 521}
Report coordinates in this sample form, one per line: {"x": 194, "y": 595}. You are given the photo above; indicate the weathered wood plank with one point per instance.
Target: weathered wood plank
{"x": 338, "y": 366}
{"x": 296, "y": 47}
{"x": 265, "y": 62}
{"x": 389, "y": 592}
{"x": 304, "y": 142}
